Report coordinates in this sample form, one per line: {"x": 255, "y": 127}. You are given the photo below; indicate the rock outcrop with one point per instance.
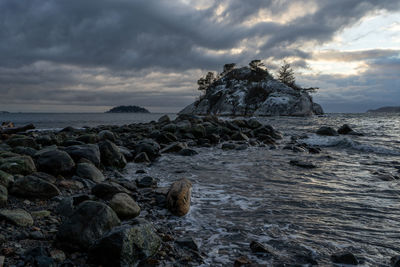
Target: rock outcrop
{"x": 248, "y": 91}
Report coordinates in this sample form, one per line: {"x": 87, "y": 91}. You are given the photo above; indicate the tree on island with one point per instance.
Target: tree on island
{"x": 286, "y": 76}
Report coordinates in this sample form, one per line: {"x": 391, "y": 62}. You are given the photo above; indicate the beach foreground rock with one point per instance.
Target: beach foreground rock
{"x": 178, "y": 198}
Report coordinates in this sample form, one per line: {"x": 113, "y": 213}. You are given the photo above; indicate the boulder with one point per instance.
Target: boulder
{"x": 303, "y": 164}
{"x": 111, "y": 155}
{"x": 90, "y": 152}
{"x": 55, "y": 162}
{"x": 24, "y": 141}
{"x": 142, "y": 157}
{"x": 124, "y": 206}
{"x": 327, "y": 131}
{"x": 107, "y": 135}
{"x": 344, "y": 258}
{"x": 89, "y": 222}
{"x": 108, "y": 190}
{"x": 149, "y": 146}
{"x": 126, "y": 245}
{"x": 345, "y": 129}
{"x": 23, "y": 165}
{"x": 146, "y": 181}
{"x": 3, "y": 196}
{"x": 18, "y": 217}
{"x": 188, "y": 152}
{"x": 164, "y": 119}
{"x": 174, "y": 148}
{"x": 22, "y": 150}
{"x": 178, "y": 198}
{"x": 89, "y": 171}
{"x": 239, "y": 136}
{"x": 34, "y": 187}
{"x": 6, "y": 179}
{"x": 88, "y": 138}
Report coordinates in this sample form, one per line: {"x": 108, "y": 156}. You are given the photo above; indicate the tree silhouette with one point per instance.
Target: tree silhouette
{"x": 286, "y": 75}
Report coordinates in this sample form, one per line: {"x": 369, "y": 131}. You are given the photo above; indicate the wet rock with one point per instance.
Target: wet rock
{"x": 126, "y": 152}
{"x": 38, "y": 257}
{"x": 142, "y": 158}
{"x": 18, "y": 217}
{"x": 253, "y": 124}
{"x": 111, "y": 155}
{"x": 345, "y": 129}
{"x": 266, "y": 130}
{"x": 344, "y": 258}
{"x": 327, "y": 131}
{"x": 303, "y": 164}
{"x": 171, "y": 127}
{"x": 146, "y": 181}
{"x": 166, "y": 137}
{"x": 89, "y": 152}
{"x": 73, "y": 185}
{"x": 242, "y": 261}
{"x": 40, "y": 214}
{"x": 57, "y": 255}
{"x": 108, "y": 190}
{"x": 149, "y": 146}
{"x": 3, "y": 196}
{"x": 89, "y": 222}
{"x": 126, "y": 245}
{"x": 198, "y": 131}
{"x": 239, "y": 136}
{"x": 178, "y": 198}
{"x": 24, "y": 141}
{"x": 89, "y": 171}
{"x": 107, "y": 135}
{"x": 395, "y": 261}
{"x": 187, "y": 242}
{"x": 88, "y": 138}
{"x": 124, "y": 206}
{"x": 257, "y": 247}
{"x": 23, "y": 165}
{"x": 174, "y": 148}
{"x": 6, "y": 179}
{"x": 25, "y": 151}
{"x": 34, "y": 187}
{"x": 314, "y": 150}
{"x": 164, "y": 119}
{"x": 55, "y": 162}
{"x": 228, "y": 146}
{"x": 187, "y": 152}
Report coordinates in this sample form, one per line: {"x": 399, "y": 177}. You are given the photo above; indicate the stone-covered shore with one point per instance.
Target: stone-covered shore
{"x": 66, "y": 202}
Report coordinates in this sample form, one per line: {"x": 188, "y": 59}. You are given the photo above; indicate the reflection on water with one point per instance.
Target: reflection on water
{"x": 240, "y": 196}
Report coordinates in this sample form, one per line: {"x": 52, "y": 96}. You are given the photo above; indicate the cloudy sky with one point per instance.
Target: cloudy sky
{"x": 71, "y": 56}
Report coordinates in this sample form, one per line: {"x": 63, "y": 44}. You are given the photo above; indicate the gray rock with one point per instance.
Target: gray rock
{"x": 23, "y": 165}
{"x": 108, "y": 190}
{"x": 55, "y": 162}
{"x": 149, "y": 146}
{"x": 90, "y": 152}
{"x": 34, "y": 187}
{"x": 25, "y": 151}
{"x": 111, "y": 155}
{"x": 126, "y": 245}
{"x": 88, "y": 138}
{"x": 18, "y": 217}
{"x": 3, "y": 196}
{"x": 188, "y": 242}
{"x": 6, "y": 179}
{"x": 188, "y": 152}
{"x": 164, "y": 119}
{"x": 124, "y": 206}
{"x": 24, "y": 141}
{"x": 303, "y": 164}
{"x": 89, "y": 171}
{"x": 344, "y": 258}
{"x": 107, "y": 135}
{"x": 240, "y": 137}
{"x": 327, "y": 131}
{"x": 142, "y": 157}
{"x": 174, "y": 148}
{"x": 228, "y": 146}
{"x": 146, "y": 181}
{"x": 89, "y": 222}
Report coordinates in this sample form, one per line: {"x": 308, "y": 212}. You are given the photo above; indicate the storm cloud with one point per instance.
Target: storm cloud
{"x": 151, "y": 53}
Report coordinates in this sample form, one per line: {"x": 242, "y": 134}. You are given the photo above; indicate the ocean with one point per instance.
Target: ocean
{"x": 351, "y": 201}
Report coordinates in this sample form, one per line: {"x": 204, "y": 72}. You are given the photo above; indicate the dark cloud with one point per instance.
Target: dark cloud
{"x": 67, "y": 51}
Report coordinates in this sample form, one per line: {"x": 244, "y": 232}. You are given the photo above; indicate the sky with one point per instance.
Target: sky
{"x": 88, "y": 56}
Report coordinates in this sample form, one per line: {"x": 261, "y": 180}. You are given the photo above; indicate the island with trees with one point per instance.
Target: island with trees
{"x": 128, "y": 109}
{"x": 385, "y": 110}
{"x": 253, "y": 91}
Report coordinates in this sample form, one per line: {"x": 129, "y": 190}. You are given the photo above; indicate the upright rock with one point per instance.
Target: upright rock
{"x": 178, "y": 197}
{"x": 111, "y": 156}
{"x": 55, "y": 162}
{"x": 34, "y": 187}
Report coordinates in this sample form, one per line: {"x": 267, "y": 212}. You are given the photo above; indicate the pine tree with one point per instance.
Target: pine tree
{"x": 286, "y": 75}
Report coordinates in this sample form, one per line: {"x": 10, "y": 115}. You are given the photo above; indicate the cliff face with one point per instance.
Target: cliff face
{"x": 245, "y": 91}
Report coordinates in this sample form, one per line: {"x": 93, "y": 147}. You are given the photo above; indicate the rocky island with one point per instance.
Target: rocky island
{"x": 385, "y": 109}
{"x": 128, "y": 109}
{"x": 251, "y": 91}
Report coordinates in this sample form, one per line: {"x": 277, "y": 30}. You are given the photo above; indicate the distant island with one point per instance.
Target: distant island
{"x": 128, "y": 109}
{"x": 4, "y": 112}
{"x": 386, "y": 109}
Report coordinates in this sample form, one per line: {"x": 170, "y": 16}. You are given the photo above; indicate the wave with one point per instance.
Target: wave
{"x": 346, "y": 142}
